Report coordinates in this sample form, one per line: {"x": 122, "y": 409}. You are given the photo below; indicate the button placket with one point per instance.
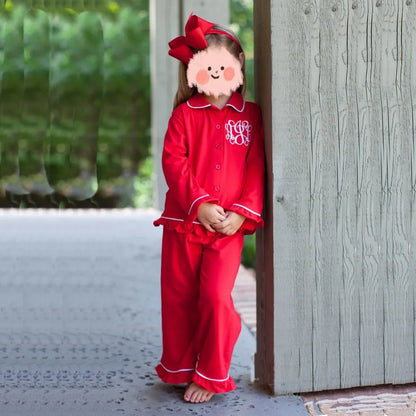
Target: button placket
{"x": 219, "y": 156}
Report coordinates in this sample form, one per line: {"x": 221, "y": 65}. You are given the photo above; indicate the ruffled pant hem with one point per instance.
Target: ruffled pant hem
{"x": 189, "y": 376}
{"x": 174, "y": 378}
{"x": 214, "y": 386}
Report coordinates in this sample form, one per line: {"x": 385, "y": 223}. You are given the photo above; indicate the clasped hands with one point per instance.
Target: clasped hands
{"x": 214, "y": 218}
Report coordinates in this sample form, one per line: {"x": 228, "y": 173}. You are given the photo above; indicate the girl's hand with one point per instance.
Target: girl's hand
{"x": 231, "y": 224}
{"x": 209, "y": 214}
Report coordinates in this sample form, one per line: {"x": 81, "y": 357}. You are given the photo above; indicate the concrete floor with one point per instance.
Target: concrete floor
{"x": 80, "y": 322}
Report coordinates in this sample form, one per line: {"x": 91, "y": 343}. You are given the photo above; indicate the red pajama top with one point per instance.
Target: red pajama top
{"x": 213, "y": 155}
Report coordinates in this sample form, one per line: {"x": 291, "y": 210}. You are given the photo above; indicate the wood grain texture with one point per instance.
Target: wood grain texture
{"x": 344, "y": 151}
{"x": 409, "y": 70}
{"x": 399, "y": 357}
{"x": 293, "y": 260}
{"x": 368, "y": 265}
{"x": 347, "y": 30}
{"x": 264, "y": 358}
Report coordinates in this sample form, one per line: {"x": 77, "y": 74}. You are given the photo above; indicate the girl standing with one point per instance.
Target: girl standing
{"x": 213, "y": 162}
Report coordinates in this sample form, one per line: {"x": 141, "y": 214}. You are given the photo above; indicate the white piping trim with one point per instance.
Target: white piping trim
{"x": 193, "y": 203}
{"x": 209, "y": 105}
{"x": 176, "y": 371}
{"x": 211, "y": 379}
{"x": 179, "y": 219}
{"x": 202, "y": 106}
{"x": 248, "y": 209}
{"x": 235, "y": 108}
{"x": 173, "y": 219}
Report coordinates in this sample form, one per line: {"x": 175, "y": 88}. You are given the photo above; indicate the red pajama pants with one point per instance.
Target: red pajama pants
{"x": 199, "y": 323}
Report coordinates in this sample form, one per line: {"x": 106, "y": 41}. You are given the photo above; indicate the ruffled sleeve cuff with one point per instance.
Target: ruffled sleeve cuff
{"x": 195, "y": 227}
{"x": 247, "y": 212}
{"x": 193, "y": 210}
{"x": 177, "y": 225}
{"x": 253, "y": 219}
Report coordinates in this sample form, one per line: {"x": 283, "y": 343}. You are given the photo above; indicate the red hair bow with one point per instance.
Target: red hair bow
{"x": 195, "y": 31}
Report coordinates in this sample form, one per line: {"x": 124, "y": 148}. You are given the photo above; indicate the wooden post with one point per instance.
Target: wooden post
{"x": 264, "y": 359}
{"x": 167, "y": 20}
{"x": 164, "y": 26}
{"x": 336, "y": 86}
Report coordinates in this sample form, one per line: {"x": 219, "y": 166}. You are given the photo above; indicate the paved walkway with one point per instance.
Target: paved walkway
{"x": 80, "y": 322}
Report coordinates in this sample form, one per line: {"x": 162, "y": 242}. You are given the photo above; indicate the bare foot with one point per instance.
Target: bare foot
{"x": 197, "y": 394}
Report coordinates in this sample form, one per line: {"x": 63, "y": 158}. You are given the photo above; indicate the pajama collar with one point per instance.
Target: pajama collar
{"x": 236, "y": 101}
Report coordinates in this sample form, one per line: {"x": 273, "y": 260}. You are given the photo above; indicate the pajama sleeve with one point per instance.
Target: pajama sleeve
{"x": 180, "y": 179}
{"x": 250, "y": 203}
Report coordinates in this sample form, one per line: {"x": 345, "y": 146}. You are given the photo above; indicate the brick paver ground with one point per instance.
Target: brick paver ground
{"x": 244, "y": 296}
{"x": 388, "y": 400}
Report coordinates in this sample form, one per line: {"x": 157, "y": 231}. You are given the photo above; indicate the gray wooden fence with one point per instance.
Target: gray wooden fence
{"x": 338, "y": 95}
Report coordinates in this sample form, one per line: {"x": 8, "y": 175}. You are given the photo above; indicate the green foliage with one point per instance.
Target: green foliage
{"x": 143, "y": 185}
{"x": 248, "y": 256}
{"x": 75, "y": 100}
{"x": 241, "y": 17}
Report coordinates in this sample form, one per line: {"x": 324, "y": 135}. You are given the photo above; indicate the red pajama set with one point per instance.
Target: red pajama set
{"x": 209, "y": 155}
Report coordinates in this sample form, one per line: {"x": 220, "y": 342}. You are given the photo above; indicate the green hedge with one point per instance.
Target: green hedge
{"x": 74, "y": 102}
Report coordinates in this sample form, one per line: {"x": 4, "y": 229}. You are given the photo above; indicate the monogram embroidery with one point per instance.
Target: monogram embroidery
{"x": 238, "y": 132}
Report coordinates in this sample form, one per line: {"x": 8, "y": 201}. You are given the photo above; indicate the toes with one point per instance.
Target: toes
{"x": 188, "y": 394}
{"x": 201, "y": 397}
{"x": 208, "y": 396}
{"x": 197, "y": 394}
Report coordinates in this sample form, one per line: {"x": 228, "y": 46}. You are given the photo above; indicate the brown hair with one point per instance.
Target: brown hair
{"x": 184, "y": 92}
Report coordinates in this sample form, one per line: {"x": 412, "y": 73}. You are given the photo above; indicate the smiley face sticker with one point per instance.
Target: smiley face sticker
{"x": 214, "y": 71}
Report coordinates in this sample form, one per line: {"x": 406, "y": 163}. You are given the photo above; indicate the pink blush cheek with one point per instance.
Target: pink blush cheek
{"x": 229, "y": 73}
{"x": 202, "y": 77}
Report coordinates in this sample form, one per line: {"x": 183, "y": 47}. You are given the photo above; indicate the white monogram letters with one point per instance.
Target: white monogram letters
{"x": 238, "y": 132}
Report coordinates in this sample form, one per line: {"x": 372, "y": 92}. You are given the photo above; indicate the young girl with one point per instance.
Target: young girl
{"x": 213, "y": 161}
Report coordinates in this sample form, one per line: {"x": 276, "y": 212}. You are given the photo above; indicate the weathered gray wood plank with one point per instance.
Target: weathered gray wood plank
{"x": 399, "y": 323}
{"x": 313, "y": 175}
{"x": 370, "y": 262}
{"x": 325, "y": 336}
{"x": 344, "y": 151}
{"x": 293, "y": 283}
{"x": 385, "y": 20}
{"x": 410, "y": 73}
{"x": 265, "y": 356}
{"x": 345, "y": 21}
